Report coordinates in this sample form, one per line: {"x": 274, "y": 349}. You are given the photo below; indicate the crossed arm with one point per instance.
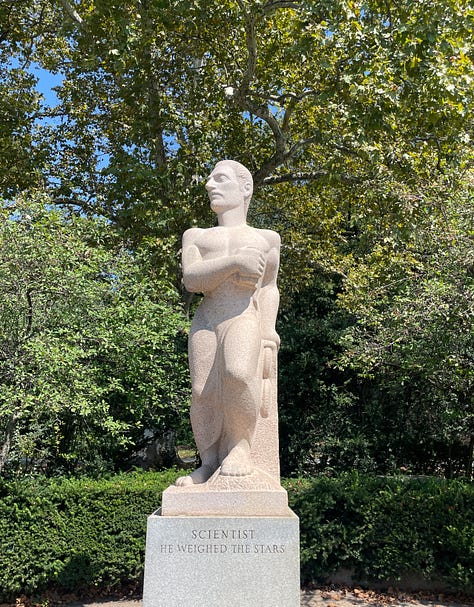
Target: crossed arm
{"x": 204, "y": 275}
{"x": 248, "y": 265}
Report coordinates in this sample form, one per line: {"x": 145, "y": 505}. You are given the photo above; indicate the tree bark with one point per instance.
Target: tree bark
{"x": 470, "y": 459}
{"x": 72, "y": 11}
{"x": 7, "y": 441}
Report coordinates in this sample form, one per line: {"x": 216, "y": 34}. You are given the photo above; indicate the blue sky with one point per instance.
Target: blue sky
{"x": 45, "y": 84}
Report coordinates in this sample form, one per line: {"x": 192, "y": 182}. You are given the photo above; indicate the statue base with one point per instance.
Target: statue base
{"x": 252, "y": 495}
{"x": 220, "y": 561}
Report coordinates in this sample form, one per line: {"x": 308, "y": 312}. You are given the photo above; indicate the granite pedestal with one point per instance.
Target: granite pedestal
{"x": 220, "y": 561}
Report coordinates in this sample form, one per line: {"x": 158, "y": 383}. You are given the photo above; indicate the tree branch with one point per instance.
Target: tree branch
{"x": 294, "y": 99}
{"x": 251, "y": 43}
{"x": 242, "y": 97}
{"x": 83, "y": 206}
{"x": 281, "y": 98}
{"x": 274, "y": 5}
{"x": 154, "y": 95}
{"x": 72, "y": 11}
{"x": 279, "y": 137}
{"x": 308, "y": 176}
{"x": 303, "y": 143}
{"x": 290, "y": 177}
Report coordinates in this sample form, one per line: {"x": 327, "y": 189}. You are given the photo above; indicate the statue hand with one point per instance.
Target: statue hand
{"x": 251, "y": 262}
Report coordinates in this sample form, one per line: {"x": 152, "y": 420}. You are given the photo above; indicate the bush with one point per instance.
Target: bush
{"x": 75, "y": 534}
{"x": 384, "y": 528}
{"x": 93, "y": 353}
{"x": 72, "y": 535}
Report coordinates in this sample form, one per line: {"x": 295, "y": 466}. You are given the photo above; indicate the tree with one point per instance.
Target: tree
{"x": 354, "y": 116}
{"x": 20, "y": 158}
{"x": 320, "y": 427}
{"x": 91, "y": 351}
{"x": 414, "y": 336}
{"x": 318, "y": 99}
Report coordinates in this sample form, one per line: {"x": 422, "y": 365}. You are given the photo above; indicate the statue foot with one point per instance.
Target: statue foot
{"x": 238, "y": 462}
{"x": 199, "y": 476}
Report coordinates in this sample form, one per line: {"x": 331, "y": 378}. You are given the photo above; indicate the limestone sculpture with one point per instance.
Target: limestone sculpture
{"x": 233, "y": 341}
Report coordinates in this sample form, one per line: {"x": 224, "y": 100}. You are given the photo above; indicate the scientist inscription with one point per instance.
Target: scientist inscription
{"x": 222, "y": 541}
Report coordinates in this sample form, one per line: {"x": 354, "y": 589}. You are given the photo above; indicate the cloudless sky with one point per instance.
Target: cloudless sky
{"x": 45, "y": 84}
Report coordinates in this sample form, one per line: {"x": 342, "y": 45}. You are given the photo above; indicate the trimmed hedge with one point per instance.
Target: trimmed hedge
{"x": 383, "y": 528}
{"x": 75, "y": 534}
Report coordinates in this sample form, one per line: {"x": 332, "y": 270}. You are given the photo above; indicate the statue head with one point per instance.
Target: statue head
{"x": 241, "y": 175}
{"x": 245, "y": 180}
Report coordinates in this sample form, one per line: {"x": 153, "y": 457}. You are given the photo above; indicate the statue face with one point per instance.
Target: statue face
{"x": 224, "y": 188}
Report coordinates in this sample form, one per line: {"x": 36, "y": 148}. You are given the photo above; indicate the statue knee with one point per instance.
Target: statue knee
{"x": 239, "y": 374}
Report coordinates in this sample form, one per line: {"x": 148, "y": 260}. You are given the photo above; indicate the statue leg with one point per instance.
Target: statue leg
{"x": 240, "y": 393}
{"x": 206, "y": 414}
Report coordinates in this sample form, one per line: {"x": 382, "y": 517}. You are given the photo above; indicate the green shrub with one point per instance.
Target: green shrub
{"x": 76, "y": 534}
{"x": 386, "y": 527}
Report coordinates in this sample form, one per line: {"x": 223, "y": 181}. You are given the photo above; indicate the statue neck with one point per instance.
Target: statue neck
{"x": 232, "y": 218}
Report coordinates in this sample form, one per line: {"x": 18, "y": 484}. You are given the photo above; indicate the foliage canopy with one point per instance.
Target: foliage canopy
{"x": 91, "y": 351}
{"x": 355, "y": 118}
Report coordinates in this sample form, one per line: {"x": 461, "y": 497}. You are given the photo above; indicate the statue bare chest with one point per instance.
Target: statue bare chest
{"x": 220, "y": 241}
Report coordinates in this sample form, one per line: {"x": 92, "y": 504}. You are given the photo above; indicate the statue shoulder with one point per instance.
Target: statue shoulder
{"x": 273, "y": 238}
{"x": 190, "y": 236}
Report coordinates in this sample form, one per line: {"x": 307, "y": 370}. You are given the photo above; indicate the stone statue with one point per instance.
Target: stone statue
{"x": 233, "y": 340}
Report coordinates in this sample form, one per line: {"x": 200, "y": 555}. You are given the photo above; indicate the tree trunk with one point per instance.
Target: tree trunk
{"x": 7, "y": 441}
{"x": 157, "y": 452}
{"x": 470, "y": 458}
